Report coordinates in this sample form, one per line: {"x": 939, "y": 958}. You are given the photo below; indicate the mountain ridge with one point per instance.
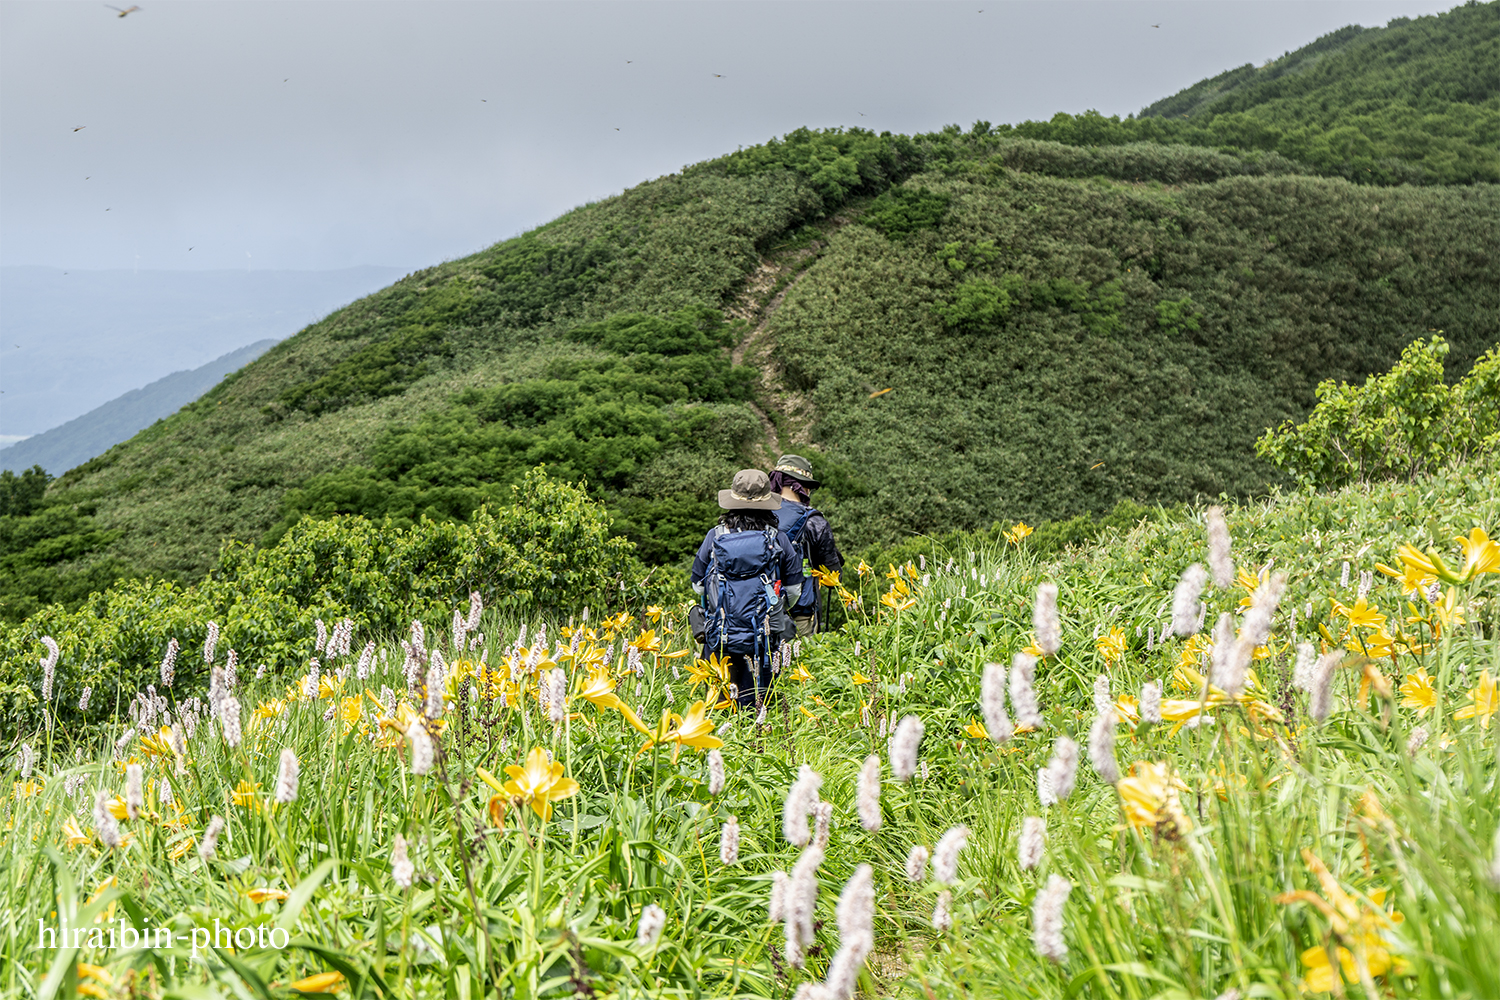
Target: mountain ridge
{"x": 74, "y": 442}
{"x": 1061, "y": 326}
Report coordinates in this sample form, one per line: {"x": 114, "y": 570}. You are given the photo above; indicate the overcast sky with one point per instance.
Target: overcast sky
{"x": 331, "y": 134}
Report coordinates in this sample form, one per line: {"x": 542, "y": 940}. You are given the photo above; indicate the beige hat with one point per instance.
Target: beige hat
{"x": 751, "y": 490}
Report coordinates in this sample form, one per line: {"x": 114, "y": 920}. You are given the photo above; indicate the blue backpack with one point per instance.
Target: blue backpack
{"x": 739, "y": 592}
{"x": 792, "y": 522}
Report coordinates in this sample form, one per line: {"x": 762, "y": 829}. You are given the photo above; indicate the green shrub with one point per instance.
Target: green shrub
{"x": 1401, "y": 425}
{"x": 901, "y": 211}
{"x": 547, "y": 551}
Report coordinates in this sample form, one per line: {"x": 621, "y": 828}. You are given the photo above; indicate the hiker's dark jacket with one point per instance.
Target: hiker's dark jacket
{"x": 821, "y": 550}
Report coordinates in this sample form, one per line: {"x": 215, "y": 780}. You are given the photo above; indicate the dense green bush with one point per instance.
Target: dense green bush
{"x": 1416, "y": 101}
{"x": 1401, "y": 425}
{"x": 1124, "y": 341}
{"x": 664, "y": 393}
{"x": 548, "y": 550}
{"x": 42, "y": 540}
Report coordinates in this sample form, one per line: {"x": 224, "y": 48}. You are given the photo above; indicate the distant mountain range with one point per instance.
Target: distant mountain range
{"x": 100, "y": 429}
{"x": 73, "y": 340}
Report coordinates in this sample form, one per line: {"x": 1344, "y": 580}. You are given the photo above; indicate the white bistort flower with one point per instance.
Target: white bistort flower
{"x": 653, "y": 919}
{"x": 867, "y": 796}
{"x": 403, "y": 872}
{"x": 945, "y": 854}
{"x": 286, "y": 778}
{"x": 904, "y": 747}
{"x": 1022, "y": 692}
{"x": 992, "y": 703}
{"x": 729, "y": 842}
{"x": 1033, "y": 842}
{"x": 1047, "y": 919}
{"x": 1044, "y": 620}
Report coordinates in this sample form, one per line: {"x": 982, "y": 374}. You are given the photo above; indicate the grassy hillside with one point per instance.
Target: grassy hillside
{"x": 465, "y": 832}
{"x": 1417, "y": 100}
{"x": 1061, "y": 326}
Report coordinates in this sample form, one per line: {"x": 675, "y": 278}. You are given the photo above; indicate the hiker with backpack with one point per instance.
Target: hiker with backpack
{"x": 747, "y": 575}
{"x": 809, "y": 530}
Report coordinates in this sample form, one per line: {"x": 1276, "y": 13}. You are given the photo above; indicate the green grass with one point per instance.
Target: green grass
{"x": 535, "y": 909}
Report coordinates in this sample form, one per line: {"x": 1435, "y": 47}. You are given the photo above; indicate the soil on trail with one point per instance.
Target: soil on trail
{"x": 757, "y": 303}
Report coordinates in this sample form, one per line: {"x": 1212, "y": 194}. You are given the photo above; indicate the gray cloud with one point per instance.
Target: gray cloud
{"x": 324, "y": 135}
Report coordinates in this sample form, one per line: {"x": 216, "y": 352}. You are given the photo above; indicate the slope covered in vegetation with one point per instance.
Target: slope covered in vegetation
{"x": 530, "y": 807}
{"x": 1061, "y": 327}
{"x": 1417, "y": 101}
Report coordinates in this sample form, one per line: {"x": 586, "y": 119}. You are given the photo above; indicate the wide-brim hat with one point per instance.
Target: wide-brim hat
{"x": 750, "y": 490}
{"x": 797, "y": 467}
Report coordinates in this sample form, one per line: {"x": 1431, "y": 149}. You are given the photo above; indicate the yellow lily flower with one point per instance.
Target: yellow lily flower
{"x": 263, "y": 894}
{"x": 1447, "y": 611}
{"x": 859, "y": 678}
{"x": 25, "y": 789}
{"x": 692, "y": 730}
{"x": 654, "y": 612}
{"x": 73, "y": 835}
{"x": 1355, "y": 924}
{"x": 330, "y": 686}
{"x": 182, "y": 847}
{"x": 539, "y": 783}
{"x": 350, "y": 711}
{"x": 97, "y": 988}
{"x": 1361, "y": 614}
{"x": 1429, "y": 563}
{"x": 1377, "y": 645}
{"x": 863, "y": 568}
{"x": 404, "y": 717}
{"x": 1247, "y": 582}
{"x": 1417, "y": 691}
{"x": 1034, "y": 650}
{"x": 109, "y": 911}
{"x": 827, "y": 577}
{"x": 1127, "y": 709}
{"x": 1484, "y": 701}
{"x": 647, "y": 642}
{"x": 800, "y": 674}
{"x": 1413, "y": 580}
{"x": 85, "y": 970}
{"x": 1018, "y": 532}
{"x": 599, "y": 691}
{"x": 265, "y": 712}
{"x": 975, "y": 730}
{"x": 713, "y": 671}
{"x": 1150, "y": 799}
{"x": 1481, "y": 554}
{"x": 323, "y": 982}
{"x": 158, "y": 744}
{"x": 806, "y": 713}
{"x": 893, "y": 601}
{"x": 1112, "y": 645}
{"x": 245, "y": 794}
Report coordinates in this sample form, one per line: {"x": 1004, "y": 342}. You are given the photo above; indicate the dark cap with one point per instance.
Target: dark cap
{"x": 751, "y": 490}
{"x": 797, "y": 467}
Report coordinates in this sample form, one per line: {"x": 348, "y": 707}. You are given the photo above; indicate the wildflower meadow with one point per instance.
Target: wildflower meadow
{"x": 1247, "y": 752}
